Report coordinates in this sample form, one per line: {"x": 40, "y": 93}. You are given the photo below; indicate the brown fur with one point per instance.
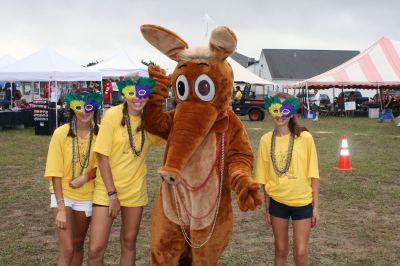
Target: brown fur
{"x": 191, "y": 129}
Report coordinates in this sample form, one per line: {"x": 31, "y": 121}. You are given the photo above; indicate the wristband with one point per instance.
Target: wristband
{"x": 112, "y": 192}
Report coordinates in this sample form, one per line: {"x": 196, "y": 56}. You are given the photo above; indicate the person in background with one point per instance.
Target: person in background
{"x": 301, "y": 109}
{"x": 70, "y": 170}
{"x": 387, "y": 106}
{"x": 120, "y": 187}
{"x": 239, "y": 94}
{"x": 315, "y": 104}
{"x": 287, "y": 166}
{"x": 340, "y": 102}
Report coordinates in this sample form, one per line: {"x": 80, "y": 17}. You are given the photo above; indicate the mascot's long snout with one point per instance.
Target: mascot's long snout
{"x": 192, "y": 123}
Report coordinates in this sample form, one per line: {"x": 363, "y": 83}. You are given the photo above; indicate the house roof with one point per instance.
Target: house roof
{"x": 303, "y": 64}
{"x": 242, "y": 59}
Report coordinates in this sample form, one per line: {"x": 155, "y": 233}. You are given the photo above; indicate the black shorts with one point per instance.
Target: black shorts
{"x": 99, "y": 205}
{"x": 284, "y": 211}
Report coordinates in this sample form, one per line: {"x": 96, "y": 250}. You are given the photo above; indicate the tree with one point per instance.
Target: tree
{"x": 150, "y": 63}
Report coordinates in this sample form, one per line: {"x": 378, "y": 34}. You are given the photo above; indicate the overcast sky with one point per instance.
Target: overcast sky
{"x": 90, "y": 30}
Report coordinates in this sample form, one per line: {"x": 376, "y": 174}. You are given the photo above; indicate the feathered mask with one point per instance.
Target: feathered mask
{"x": 86, "y": 104}
{"x": 276, "y": 108}
{"x": 136, "y": 89}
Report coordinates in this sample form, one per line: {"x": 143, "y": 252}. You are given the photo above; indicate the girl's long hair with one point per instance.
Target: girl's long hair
{"x": 294, "y": 125}
{"x": 124, "y": 109}
{"x": 73, "y": 116}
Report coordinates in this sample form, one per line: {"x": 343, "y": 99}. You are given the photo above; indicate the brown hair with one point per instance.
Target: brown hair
{"x": 95, "y": 119}
{"x": 294, "y": 125}
{"x": 124, "y": 109}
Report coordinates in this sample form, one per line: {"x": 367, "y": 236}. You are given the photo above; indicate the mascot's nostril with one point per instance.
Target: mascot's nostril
{"x": 172, "y": 179}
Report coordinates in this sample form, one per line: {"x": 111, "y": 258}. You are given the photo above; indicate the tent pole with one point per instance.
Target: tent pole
{"x": 380, "y": 97}
{"x": 11, "y": 89}
{"x": 56, "y": 101}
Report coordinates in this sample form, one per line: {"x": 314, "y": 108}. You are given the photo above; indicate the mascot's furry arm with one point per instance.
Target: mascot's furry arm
{"x": 240, "y": 159}
{"x": 156, "y": 120}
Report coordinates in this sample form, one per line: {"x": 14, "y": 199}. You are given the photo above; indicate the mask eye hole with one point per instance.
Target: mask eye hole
{"x": 285, "y": 111}
{"x": 205, "y": 88}
{"x": 78, "y": 107}
{"x": 276, "y": 111}
{"x": 131, "y": 93}
{"x": 142, "y": 92}
{"x": 89, "y": 108}
{"x": 182, "y": 87}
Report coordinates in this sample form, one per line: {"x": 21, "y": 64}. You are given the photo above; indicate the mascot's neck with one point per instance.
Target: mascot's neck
{"x": 222, "y": 122}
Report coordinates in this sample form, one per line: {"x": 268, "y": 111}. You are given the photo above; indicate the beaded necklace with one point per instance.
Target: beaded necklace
{"x": 85, "y": 163}
{"x": 288, "y": 156}
{"x": 131, "y": 136}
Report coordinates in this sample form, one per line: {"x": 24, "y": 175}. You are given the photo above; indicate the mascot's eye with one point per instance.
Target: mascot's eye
{"x": 204, "y": 88}
{"x": 182, "y": 87}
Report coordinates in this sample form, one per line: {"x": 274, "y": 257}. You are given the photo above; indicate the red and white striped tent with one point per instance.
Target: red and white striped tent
{"x": 376, "y": 67}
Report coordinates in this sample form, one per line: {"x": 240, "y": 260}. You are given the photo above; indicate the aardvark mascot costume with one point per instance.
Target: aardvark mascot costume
{"x": 208, "y": 153}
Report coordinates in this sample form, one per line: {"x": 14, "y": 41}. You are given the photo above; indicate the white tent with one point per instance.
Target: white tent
{"x": 121, "y": 64}
{"x": 241, "y": 74}
{"x": 6, "y": 60}
{"x": 47, "y": 65}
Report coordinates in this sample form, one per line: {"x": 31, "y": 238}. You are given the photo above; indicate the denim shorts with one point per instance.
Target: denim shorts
{"x": 284, "y": 211}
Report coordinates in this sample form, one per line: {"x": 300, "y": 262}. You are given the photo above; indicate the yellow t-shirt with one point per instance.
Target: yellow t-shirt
{"x": 294, "y": 187}
{"x": 128, "y": 170}
{"x": 238, "y": 96}
{"x": 59, "y": 163}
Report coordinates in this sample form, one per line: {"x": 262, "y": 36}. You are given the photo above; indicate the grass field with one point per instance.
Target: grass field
{"x": 360, "y": 209}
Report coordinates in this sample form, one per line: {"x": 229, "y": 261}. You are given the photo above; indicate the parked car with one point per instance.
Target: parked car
{"x": 361, "y": 102}
{"x": 324, "y": 99}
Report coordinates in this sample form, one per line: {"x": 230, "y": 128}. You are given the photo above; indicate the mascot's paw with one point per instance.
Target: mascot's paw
{"x": 249, "y": 197}
{"x": 163, "y": 82}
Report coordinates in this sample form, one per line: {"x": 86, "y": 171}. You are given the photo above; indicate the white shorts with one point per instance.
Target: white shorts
{"x": 76, "y": 205}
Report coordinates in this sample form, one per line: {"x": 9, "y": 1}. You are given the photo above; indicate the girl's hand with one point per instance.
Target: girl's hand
{"x": 79, "y": 181}
{"x": 61, "y": 218}
{"x": 268, "y": 218}
{"x": 315, "y": 219}
{"x": 114, "y": 208}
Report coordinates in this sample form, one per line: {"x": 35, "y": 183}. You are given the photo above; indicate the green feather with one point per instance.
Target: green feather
{"x": 70, "y": 97}
{"x": 149, "y": 82}
{"x": 123, "y": 83}
{"x": 94, "y": 96}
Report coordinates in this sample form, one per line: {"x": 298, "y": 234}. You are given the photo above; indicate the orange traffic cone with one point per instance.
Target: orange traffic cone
{"x": 344, "y": 159}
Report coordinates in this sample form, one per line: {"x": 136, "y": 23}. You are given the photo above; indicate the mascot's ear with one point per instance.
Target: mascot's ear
{"x": 166, "y": 41}
{"x": 222, "y": 42}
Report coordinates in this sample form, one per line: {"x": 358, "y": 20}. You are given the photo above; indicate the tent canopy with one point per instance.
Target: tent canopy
{"x": 241, "y": 74}
{"x": 379, "y": 65}
{"x": 47, "y": 65}
{"x": 121, "y": 64}
{"x": 6, "y": 60}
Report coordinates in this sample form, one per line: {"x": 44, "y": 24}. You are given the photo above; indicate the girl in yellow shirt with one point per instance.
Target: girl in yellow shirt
{"x": 120, "y": 186}
{"x": 287, "y": 166}
{"x": 70, "y": 169}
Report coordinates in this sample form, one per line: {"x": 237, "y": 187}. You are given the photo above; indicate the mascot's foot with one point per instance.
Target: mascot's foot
{"x": 171, "y": 176}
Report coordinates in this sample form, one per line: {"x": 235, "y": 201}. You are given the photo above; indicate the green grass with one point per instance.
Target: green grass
{"x": 360, "y": 210}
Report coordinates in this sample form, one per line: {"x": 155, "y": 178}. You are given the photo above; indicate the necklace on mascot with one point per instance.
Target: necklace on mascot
{"x": 289, "y": 153}
{"x": 181, "y": 222}
{"x": 85, "y": 163}
{"x": 131, "y": 136}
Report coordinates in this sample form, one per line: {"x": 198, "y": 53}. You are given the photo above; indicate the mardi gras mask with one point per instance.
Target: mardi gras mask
{"x": 86, "y": 104}
{"x": 277, "y": 108}
{"x": 136, "y": 89}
